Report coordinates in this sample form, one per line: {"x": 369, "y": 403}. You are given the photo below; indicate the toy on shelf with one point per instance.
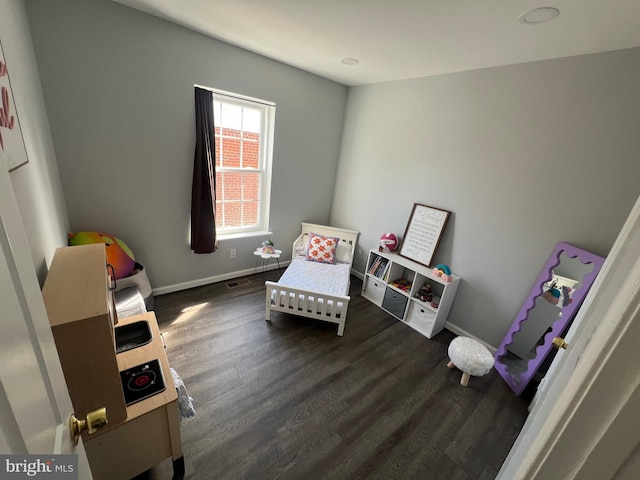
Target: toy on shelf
{"x": 401, "y": 284}
{"x": 267, "y": 246}
{"x": 388, "y": 242}
{"x": 425, "y": 294}
{"x": 443, "y": 271}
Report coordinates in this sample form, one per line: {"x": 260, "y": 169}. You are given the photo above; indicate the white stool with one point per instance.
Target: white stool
{"x": 471, "y": 357}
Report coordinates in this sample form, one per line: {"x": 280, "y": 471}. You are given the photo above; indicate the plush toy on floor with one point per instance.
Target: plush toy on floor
{"x": 118, "y": 254}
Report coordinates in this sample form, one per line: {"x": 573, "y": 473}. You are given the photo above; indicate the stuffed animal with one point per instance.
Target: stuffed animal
{"x": 443, "y": 271}
{"x": 552, "y": 295}
{"x": 267, "y": 247}
{"x": 118, "y": 254}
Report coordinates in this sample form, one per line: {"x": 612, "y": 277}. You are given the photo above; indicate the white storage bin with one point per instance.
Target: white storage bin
{"x": 375, "y": 290}
{"x": 422, "y": 319}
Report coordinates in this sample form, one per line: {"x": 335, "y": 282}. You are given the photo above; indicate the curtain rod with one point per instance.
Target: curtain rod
{"x": 235, "y": 95}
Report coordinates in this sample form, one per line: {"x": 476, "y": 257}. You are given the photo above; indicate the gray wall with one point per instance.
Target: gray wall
{"x": 118, "y": 86}
{"x": 37, "y": 184}
{"x": 524, "y": 156}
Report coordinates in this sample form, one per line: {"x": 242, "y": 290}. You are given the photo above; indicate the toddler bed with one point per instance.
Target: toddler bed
{"x": 316, "y": 283}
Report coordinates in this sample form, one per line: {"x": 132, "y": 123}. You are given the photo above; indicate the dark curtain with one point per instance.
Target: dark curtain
{"x": 203, "y": 189}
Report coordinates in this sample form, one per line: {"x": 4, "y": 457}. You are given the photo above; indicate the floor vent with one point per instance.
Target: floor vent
{"x": 239, "y": 283}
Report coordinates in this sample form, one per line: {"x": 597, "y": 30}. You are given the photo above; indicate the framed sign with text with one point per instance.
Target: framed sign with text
{"x": 12, "y": 150}
{"x": 423, "y": 233}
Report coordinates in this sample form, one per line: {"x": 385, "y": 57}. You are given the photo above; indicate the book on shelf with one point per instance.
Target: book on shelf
{"x": 385, "y": 276}
{"x": 374, "y": 266}
{"x": 378, "y": 267}
{"x": 382, "y": 268}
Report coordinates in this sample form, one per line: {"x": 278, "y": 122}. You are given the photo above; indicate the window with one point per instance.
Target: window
{"x": 244, "y": 148}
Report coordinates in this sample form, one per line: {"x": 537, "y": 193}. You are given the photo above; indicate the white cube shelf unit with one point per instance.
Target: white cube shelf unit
{"x": 392, "y": 282}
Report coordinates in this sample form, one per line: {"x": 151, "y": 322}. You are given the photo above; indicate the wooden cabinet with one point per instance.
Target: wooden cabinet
{"x": 393, "y": 283}
{"x": 81, "y": 312}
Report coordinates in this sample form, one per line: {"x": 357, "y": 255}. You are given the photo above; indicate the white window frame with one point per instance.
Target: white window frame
{"x": 265, "y": 160}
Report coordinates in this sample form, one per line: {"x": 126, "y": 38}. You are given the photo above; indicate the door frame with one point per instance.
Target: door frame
{"x": 583, "y": 426}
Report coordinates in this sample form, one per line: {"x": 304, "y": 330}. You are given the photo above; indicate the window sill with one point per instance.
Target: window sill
{"x": 234, "y": 236}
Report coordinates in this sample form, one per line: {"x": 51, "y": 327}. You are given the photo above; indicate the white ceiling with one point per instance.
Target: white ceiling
{"x": 400, "y": 39}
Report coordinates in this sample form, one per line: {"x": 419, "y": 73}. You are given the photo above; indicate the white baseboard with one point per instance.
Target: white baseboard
{"x": 449, "y": 326}
{"x": 355, "y": 273}
{"x": 213, "y": 279}
{"x": 461, "y": 332}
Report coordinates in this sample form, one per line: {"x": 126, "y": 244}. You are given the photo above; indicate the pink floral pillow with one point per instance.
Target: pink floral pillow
{"x": 322, "y": 249}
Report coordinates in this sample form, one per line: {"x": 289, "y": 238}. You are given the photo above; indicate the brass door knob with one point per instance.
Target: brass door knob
{"x": 559, "y": 343}
{"x": 92, "y": 423}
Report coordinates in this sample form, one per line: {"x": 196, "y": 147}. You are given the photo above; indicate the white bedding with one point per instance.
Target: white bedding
{"x": 317, "y": 277}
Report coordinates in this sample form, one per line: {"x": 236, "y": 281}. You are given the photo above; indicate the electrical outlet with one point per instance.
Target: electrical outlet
{"x": 232, "y": 253}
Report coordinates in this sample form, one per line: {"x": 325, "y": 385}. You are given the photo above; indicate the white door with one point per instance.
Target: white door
{"x": 34, "y": 402}
{"x": 585, "y": 425}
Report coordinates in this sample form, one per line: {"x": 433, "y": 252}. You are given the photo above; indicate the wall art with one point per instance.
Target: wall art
{"x": 423, "y": 233}
{"x": 12, "y": 149}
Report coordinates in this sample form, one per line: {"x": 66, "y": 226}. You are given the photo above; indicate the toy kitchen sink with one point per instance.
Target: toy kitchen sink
{"x": 132, "y": 335}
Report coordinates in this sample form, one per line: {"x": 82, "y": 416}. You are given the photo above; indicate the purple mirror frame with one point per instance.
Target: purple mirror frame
{"x": 557, "y": 328}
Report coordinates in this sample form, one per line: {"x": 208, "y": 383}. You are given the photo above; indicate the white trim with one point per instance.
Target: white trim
{"x": 463, "y": 333}
{"x": 176, "y": 287}
{"x": 57, "y": 443}
{"x": 448, "y": 325}
{"x": 232, "y": 236}
{"x": 236, "y": 95}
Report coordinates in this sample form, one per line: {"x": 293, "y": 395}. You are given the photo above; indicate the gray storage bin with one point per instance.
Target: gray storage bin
{"x": 394, "y": 302}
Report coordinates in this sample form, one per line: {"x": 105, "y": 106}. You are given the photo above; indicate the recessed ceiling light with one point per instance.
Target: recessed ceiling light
{"x": 539, "y": 15}
{"x": 350, "y": 61}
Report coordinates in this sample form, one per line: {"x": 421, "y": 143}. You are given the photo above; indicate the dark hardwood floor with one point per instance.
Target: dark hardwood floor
{"x": 291, "y": 400}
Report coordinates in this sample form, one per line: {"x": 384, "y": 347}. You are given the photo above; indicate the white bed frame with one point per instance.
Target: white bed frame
{"x": 306, "y": 303}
